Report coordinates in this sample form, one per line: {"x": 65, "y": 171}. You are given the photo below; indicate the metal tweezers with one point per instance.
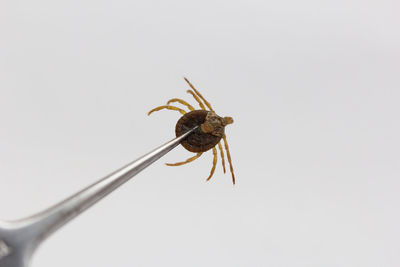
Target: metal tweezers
{"x": 19, "y": 239}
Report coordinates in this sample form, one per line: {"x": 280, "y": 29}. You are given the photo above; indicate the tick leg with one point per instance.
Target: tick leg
{"x": 186, "y": 161}
{"x": 214, "y": 163}
{"x": 229, "y": 158}
{"x": 197, "y": 99}
{"x": 167, "y": 107}
{"x": 183, "y": 102}
{"x": 222, "y": 155}
{"x": 198, "y": 93}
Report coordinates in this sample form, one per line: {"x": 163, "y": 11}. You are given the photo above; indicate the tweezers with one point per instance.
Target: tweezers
{"x": 19, "y": 239}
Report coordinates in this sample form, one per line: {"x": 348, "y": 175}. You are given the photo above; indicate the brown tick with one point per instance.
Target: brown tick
{"x": 205, "y": 137}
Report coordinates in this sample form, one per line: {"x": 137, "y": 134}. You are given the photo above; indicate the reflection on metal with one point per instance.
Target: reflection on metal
{"x": 4, "y": 249}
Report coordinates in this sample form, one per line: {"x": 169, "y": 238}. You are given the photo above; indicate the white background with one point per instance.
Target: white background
{"x": 313, "y": 87}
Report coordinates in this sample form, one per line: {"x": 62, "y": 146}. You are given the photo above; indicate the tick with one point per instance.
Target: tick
{"x": 205, "y": 137}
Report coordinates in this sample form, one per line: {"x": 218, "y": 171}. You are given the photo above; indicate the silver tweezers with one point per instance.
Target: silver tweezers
{"x": 19, "y": 239}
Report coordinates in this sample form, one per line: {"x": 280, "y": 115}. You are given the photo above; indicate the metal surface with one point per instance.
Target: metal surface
{"x": 19, "y": 239}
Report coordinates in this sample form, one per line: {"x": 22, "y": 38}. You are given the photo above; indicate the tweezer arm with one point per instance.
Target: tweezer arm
{"x": 36, "y": 228}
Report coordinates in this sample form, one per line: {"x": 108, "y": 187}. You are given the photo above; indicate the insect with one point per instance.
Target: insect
{"x": 205, "y": 137}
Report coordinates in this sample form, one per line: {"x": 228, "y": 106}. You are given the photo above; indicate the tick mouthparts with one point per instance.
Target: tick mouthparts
{"x": 228, "y": 120}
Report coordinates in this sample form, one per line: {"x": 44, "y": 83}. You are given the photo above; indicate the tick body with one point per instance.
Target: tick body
{"x": 198, "y": 141}
{"x": 207, "y": 136}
